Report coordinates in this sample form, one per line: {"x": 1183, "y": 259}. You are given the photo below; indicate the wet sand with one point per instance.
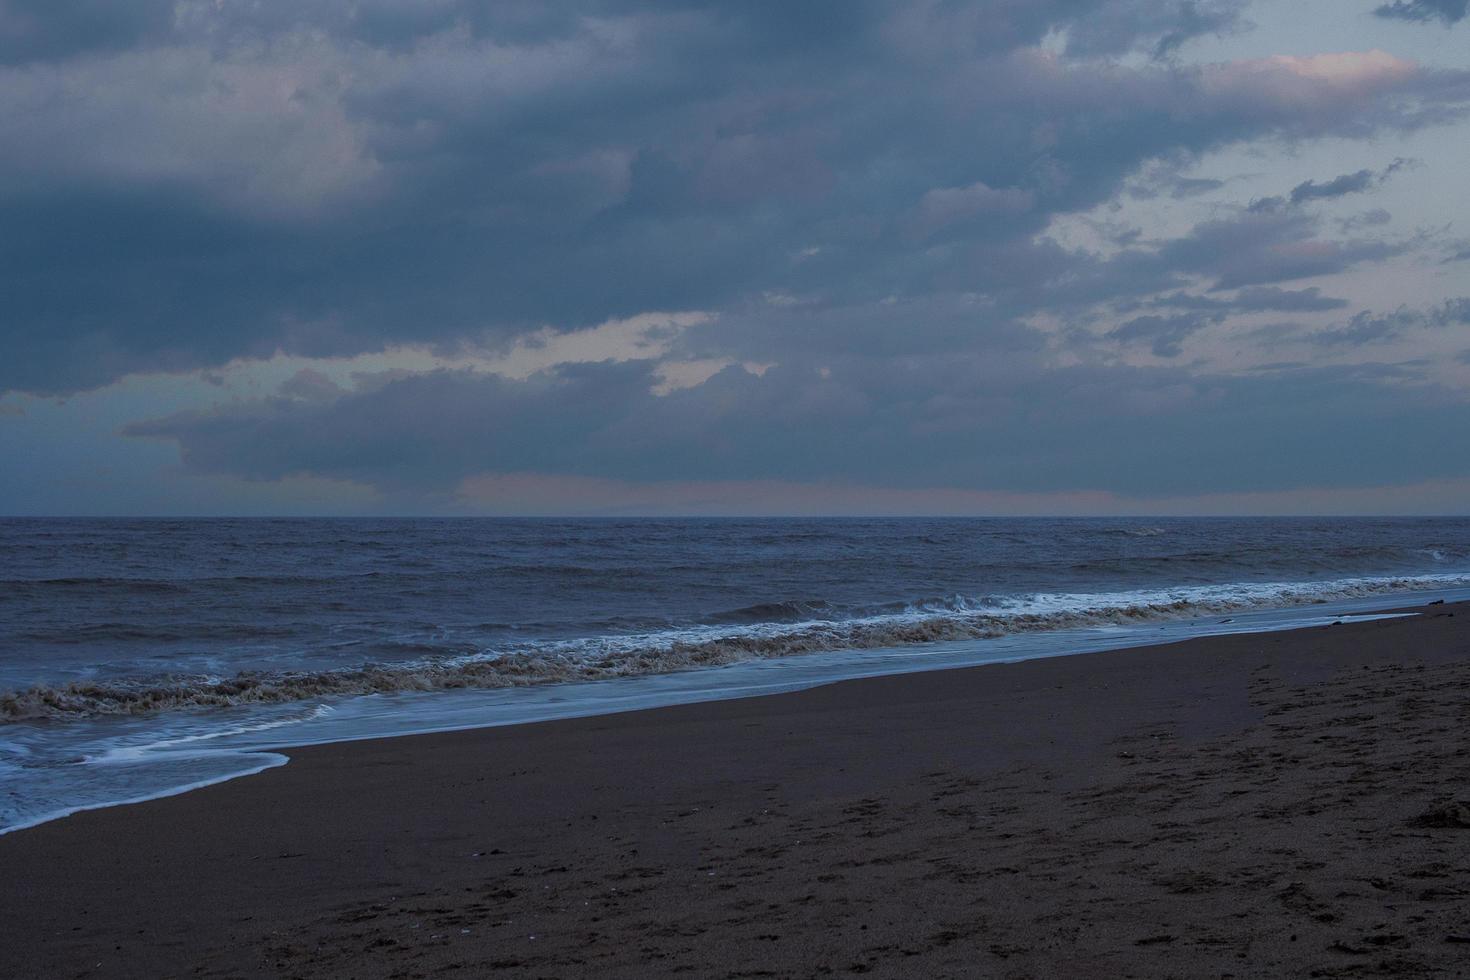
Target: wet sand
{"x": 1287, "y": 804}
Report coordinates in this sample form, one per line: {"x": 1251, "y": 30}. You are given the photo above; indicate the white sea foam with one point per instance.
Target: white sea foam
{"x": 122, "y": 754}
{"x": 632, "y": 654}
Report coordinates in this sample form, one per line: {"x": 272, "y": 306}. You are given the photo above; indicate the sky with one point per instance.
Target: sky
{"x": 690, "y": 257}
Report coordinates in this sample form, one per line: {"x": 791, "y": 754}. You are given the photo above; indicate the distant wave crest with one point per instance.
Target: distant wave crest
{"x": 756, "y": 632}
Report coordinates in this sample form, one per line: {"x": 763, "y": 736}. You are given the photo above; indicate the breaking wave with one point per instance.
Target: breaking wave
{"x": 771, "y": 630}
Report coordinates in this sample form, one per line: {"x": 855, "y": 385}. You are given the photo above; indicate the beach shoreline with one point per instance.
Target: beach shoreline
{"x": 1240, "y": 804}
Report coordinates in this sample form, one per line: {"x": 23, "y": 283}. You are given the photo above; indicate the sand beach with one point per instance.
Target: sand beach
{"x": 1263, "y": 805}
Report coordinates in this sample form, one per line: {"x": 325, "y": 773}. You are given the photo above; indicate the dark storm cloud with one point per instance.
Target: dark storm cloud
{"x": 1449, "y": 11}
{"x": 912, "y": 422}
{"x": 329, "y": 178}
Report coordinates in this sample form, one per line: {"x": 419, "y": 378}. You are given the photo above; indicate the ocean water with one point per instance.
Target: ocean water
{"x": 142, "y": 657}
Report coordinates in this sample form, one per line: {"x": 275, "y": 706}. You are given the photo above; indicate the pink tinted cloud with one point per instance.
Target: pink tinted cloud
{"x": 1322, "y": 81}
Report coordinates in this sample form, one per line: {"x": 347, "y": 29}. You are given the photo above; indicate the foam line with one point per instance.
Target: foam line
{"x": 273, "y": 760}
{"x": 667, "y": 651}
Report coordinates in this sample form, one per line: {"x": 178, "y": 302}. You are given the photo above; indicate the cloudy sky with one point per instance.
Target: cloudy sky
{"x": 684, "y": 256}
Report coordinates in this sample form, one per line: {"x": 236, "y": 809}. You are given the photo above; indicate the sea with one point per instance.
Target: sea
{"x": 140, "y": 658}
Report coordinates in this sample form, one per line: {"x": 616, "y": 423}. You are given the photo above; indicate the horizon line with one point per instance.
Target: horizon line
{"x": 715, "y": 516}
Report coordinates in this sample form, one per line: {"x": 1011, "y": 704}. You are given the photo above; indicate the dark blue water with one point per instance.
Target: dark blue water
{"x": 175, "y": 603}
{"x": 121, "y": 634}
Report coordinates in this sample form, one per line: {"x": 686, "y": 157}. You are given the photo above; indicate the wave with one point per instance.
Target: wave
{"x": 595, "y": 658}
{"x": 141, "y": 586}
{"x": 790, "y": 611}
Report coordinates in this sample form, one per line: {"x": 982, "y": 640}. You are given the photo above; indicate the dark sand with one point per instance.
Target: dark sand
{"x": 1277, "y": 805}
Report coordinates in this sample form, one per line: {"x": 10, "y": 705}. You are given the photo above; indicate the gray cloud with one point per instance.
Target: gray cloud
{"x": 1346, "y": 184}
{"x": 1165, "y": 335}
{"x": 1258, "y": 299}
{"x": 1118, "y": 27}
{"x": 1164, "y": 177}
{"x": 1353, "y": 183}
{"x": 1193, "y": 187}
{"x": 869, "y": 200}
{"x": 1367, "y": 327}
{"x": 333, "y": 178}
{"x": 1454, "y": 312}
{"x": 1449, "y": 11}
{"x": 913, "y": 422}
{"x": 38, "y": 30}
{"x": 1367, "y": 219}
{"x": 1263, "y": 298}
{"x": 980, "y": 297}
{"x": 1267, "y": 245}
